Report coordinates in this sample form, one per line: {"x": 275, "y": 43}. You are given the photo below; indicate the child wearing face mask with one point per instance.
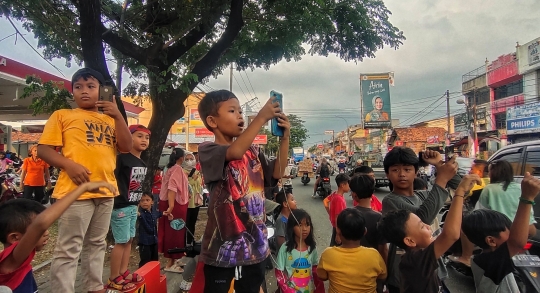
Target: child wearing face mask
{"x": 195, "y": 194}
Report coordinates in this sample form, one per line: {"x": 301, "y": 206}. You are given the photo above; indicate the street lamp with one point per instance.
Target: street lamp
{"x": 348, "y": 138}
{"x": 471, "y": 136}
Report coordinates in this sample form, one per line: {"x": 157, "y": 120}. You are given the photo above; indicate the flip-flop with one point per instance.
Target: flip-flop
{"x": 134, "y": 277}
{"x": 456, "y": 259}
{"x": 174, "y": 269}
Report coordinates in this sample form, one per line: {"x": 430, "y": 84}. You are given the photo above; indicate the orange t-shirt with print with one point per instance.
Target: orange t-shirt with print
{"x": 35, "y": 172}
{"x": 87, "y": 138}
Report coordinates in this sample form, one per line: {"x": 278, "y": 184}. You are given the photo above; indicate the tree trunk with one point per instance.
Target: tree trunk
{"x": 167, "y": 107}
{"x": 92, "y": 44}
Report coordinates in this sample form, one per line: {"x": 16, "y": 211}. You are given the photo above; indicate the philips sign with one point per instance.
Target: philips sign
{"x": 523, "y": 119}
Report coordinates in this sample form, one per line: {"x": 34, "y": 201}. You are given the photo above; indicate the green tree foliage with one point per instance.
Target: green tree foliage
{"x": 297, "y": 138}
{"x": 299, "y": 133}
{"x": 173, "y": 45}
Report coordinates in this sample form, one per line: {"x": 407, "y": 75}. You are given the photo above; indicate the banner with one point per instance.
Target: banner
{"x": 523, "y": 118}
{"x": 203, "y": 132}
{"x": 375, "y": 92}
{"x": 260, "y": 139}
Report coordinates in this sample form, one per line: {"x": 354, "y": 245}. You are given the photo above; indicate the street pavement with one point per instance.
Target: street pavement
{"x": 323, "y": 231}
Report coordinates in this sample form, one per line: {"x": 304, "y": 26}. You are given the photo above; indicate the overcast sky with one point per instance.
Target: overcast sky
{"x": 445, "y": 39}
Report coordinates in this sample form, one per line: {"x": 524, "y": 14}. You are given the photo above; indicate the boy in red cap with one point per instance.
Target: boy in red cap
{"x": 130, "y": 172}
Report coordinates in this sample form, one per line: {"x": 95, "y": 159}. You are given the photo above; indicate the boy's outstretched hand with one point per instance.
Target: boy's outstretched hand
{"x": 467, "y": 183}
{"x": 447, "y": 170}
{"x": 530, "y": 187}
{"x": 110, "y": 108}
{"x": 270, "y": 110}
{"x": 94, "y": 187}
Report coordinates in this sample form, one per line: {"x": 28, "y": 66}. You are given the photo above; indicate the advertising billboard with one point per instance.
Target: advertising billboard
{"x": 375, "y": 91}
{"x": 523, "y": 119}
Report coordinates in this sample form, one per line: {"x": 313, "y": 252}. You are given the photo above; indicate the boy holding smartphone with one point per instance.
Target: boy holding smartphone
{"x": 89, "y": 142}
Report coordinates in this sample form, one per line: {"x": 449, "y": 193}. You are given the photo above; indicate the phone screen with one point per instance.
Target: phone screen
{"x": 276, "y": 129}
{"x": 421, "y": 161}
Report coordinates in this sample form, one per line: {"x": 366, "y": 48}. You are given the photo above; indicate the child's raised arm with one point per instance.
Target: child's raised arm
{"x": 452, "y": 226}
{"x": 44, "y": 220}
{"x": 519, "y": 231}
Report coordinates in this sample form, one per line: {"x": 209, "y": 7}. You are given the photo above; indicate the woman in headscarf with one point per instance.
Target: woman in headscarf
{"x": 173, "y": 198}
{"x": 195, "y": 194}
{"x": 377, "y": 114}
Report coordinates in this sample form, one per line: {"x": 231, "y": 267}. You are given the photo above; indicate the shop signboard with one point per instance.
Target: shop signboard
{"x": 523, "y": 118}
{"x": 375, "y": 92}
{"x": 203, "y": 132}
{"x": 261, "y": 139}
{"x": 529, "y": 56}
{"x": 499, "y": 106}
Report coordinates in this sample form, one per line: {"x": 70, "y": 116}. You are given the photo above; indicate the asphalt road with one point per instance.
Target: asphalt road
{"x": 323, "y": 231}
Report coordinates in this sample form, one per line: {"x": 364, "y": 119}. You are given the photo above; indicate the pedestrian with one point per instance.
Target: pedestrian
{"x": 148, "y": 239}
{"x": 195, "y": 196}
{"x": 35, "y": 176}
{"x": 337, "y": 204}
{"x": 130, "y": 172}
{"x": 173, "y": 199}
{"x": 89, "y": 141}
{"x": 237, "y": 174}
{"x": 297, "y": 260}
{"x": 286, "y": 202}
{"x": 351, "y": 267}
{"x": 4, "y": 162}
{"x": 24, "y": 228}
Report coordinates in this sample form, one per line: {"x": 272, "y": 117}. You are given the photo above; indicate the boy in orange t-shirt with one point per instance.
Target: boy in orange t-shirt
{"x": 89, "y": 142}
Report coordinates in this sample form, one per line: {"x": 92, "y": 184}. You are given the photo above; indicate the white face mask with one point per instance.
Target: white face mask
{"x": 190, "y": 163}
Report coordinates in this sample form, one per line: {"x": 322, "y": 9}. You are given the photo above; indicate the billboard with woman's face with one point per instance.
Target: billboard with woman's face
{"x": 375, "y": 90}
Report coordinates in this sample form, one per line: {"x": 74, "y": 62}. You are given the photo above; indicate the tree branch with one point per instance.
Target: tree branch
{"x": 124, "y": 46}
{"x": 203, "y": 68}
{"x": 203, "y": 27}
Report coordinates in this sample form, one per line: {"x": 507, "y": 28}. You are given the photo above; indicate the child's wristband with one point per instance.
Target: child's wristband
{"x": 526, "y": 201}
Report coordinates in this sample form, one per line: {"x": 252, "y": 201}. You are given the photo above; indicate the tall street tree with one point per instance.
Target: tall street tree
{"x": 173, "y": 45}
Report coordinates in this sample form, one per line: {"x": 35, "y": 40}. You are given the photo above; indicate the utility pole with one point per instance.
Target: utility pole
{"x": 120, "y": 60}
{"x": 447, "y": 114}
{"x": 475, "y": 141}
{"x": 231, "y": 78}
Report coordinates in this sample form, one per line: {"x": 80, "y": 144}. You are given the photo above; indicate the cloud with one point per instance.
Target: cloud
{"x": 445, "y": 39}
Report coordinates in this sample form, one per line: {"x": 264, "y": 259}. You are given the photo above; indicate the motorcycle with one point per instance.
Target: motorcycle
{"x": 324, "y": 188}
{"x": 9, "y": 189}
{"x": 305, "y": 178}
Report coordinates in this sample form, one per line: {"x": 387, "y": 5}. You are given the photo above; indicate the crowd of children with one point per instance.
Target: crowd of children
{"x": 95, "y": 194}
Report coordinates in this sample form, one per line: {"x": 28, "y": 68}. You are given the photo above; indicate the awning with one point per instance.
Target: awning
{"x": 12, "y": 83}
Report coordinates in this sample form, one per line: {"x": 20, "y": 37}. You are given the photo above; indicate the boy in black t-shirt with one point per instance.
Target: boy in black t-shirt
{"x": 130, "y": 172}
{"x": 501, "y": 240}
{"x": 362, "y": 189}
{"x": 405, "y": 229}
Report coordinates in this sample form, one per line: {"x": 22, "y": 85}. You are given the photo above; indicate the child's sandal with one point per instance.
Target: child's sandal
{"x": 120, "y": 284}
{"x": 134, "y": 277}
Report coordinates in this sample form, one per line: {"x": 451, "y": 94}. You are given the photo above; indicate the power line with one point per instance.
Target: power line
{"x": 239, "y": 86}
{"x": 250, "y": 84}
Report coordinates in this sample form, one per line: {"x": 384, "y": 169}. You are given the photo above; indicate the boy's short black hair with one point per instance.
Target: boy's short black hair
{"x": 479, "y": 224}
{"x": 86, "y": 73}
{"x": 148, "y": 193}
{"x": 419, "y": 184}
{"x": 16, "y": 215}
{"x": 400, "y": 155}
{"x": 363, "y": 170}
{"x": 392, "y": 227}
{"x": 209, "y": 104}
{"x": 362, "y": 185}
{"x": 351, "y": 223}
{"x": 342, "y": 178}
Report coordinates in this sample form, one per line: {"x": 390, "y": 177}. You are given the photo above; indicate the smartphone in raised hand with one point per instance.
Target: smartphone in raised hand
{"x": 276, "y": 129}
{"x": 105, "y": 94}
